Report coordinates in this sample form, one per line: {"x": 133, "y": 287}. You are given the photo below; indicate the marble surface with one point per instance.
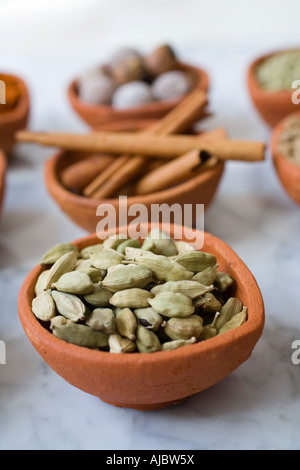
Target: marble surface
{"x": 257, "y": 407}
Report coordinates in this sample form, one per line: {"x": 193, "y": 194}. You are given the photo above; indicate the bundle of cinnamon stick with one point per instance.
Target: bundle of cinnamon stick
{"x": 152, "y": 159}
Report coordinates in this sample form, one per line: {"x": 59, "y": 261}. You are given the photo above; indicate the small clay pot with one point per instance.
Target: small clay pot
{"x": 288, "y": 173}
{"x": 272, "y": 106}
{"x": 15, "y": 119}
{"x": 3, "y": 166}
{"x": 82, "y": 210}
{"x": 95, "y": 115}
{"x": 148, "y": 381}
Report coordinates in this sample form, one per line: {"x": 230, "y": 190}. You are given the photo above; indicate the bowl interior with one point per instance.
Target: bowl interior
{"x": 22, "y": 104}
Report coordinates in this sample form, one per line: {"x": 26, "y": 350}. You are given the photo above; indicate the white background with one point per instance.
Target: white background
{"x": 47, "y": 43}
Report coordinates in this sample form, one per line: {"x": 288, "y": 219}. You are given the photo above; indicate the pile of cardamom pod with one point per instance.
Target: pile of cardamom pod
{"x": 122, "y": 296}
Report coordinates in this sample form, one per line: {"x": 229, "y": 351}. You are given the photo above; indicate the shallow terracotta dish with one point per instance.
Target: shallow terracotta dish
{"x": 3, "y": 165}
{"x": 15, "y": 119}
{"x": 82, "y": 210}
{"x": 288, "y": 173}
{"x": 95, "y": 115}
{"x": 272, "y": 106}
{"x": 148, "y": 381}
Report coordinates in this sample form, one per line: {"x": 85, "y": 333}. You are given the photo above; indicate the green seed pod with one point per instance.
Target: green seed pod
{"x": 237, "y": 320}
{"x": 126, "y": 324}
{"x": 43, "y": 306}
{"x": 191, "y": 289}
{"x": 163, "y": 268}
{"x": 177, "y": 343}
{"x": 229, "y": 309}
{"x": 102, "y": 319}
{"x": 81, "y": 335}
{"x": 106, "y": 258}
{"x": 64, "y": 264}
{"x": 127, "y": 277}
{"x": 146, "y": 340}
{"x": 88, "y": 251}
{"x": 94, "y": 274}
{"x": 57, "y": 251}
{"x": 206, "y": 277}
{"x": 126, "y": 243}
{"x": 148, "y": 318}
{"x": 208, "y": 303}
{"x": 75, "y": 282}
{"x": 184, "y": 328}
{"x": 172, "y": 304}
{"x": 99, "y": 297}
{"x": 160, "y": 243}
{"x": 69, "y": 305}
{"x": 223, "y": 281}
{"x": 119, "y": 345}
{"x": 131, "y": 298}
{"x": 196, "y": 261}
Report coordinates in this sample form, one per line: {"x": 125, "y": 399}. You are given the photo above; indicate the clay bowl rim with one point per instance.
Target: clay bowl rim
{"x": 22, "y": 105}
{"x": 157, "y": 106}
{"x": 62, "y": 193}
{"x": 274, "y": 144}
{"x": 3, "y": 168}
{"x": 33, "y": 327}
{"x": 254, "y": 84}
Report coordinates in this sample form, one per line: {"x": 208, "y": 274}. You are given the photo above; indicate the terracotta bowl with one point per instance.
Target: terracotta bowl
{"x": 95, "y": 115}
{"x": 148, "y": 381}
{"x": 14, "y": 120}
{"x": 3, "y": 165}
{"x": 82, "y": 210}
{"x": 288, "y": 173}
{"x": 272, "y": 106}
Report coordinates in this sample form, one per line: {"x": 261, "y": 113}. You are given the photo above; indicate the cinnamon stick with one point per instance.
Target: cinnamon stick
{"x": 177, "y": 120}
{"x": 78, "y": 175}
{"x": 150, "y": 145}
{"x": 175, "y": 172}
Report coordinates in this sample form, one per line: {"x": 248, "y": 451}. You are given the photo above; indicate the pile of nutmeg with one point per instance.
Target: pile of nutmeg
{"x": 130, "y": 79}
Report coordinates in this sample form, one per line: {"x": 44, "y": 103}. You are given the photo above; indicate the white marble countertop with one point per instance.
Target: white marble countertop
{"x": 257, "y": 407}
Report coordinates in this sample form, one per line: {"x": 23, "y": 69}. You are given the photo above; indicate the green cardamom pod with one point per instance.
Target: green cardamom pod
{"x": 90, "y": 250}
{"x": 114, "y": 241}
{"x": 126, "y": 324}
{"x": 41, "y": 282}
{"x": 69, "y": 305}
{"x": 177, "y": 343}
{"x": 208, "y": 303}
{"x": 172, "y": 304}
{"x": 159, "y": 242}
{"x": 127, "y": 277}
{"x": 223, "y": 281}
{"x": 57, "y": 251}
{"x": 207, "y": 333}
{"x": 78, "y": 334}
{"x": 64, "y": 264}
{"x": 75, "y": 282}
{"x": 184, "y": 328}
{"x": 102, "y": 319}
{"x": 229, "y": 309}
{"x": 106, "y": 258}
{"x": 146, "y": 340}
{"x": 126, "y": 243}
{"x": 237, "y": 320}
{"x": 118, "y": 344}
{"x": 192, "y": 289}
{"x": 163, "y": 268}
{"x": 148, "y": 318}
{"x": 43, "y": 306}
{"x": 196, "y": 261}
{"x": 94, "y": 274}
{"x": 99, "y": 297}
{"x": 184, "y": 246}
{"x": 131, "y": 298}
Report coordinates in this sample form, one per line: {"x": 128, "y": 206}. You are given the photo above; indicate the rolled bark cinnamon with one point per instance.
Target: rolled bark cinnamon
{"x": 78, "y": 175}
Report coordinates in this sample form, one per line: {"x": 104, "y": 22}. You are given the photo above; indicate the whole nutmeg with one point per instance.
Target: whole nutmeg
{"x": 161, "y": 60}
{"x": 127, "y": 65}
{"x": 171, "y": 85}
{"x": 131, "y": 95}
{"x": 95, "y": 87}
